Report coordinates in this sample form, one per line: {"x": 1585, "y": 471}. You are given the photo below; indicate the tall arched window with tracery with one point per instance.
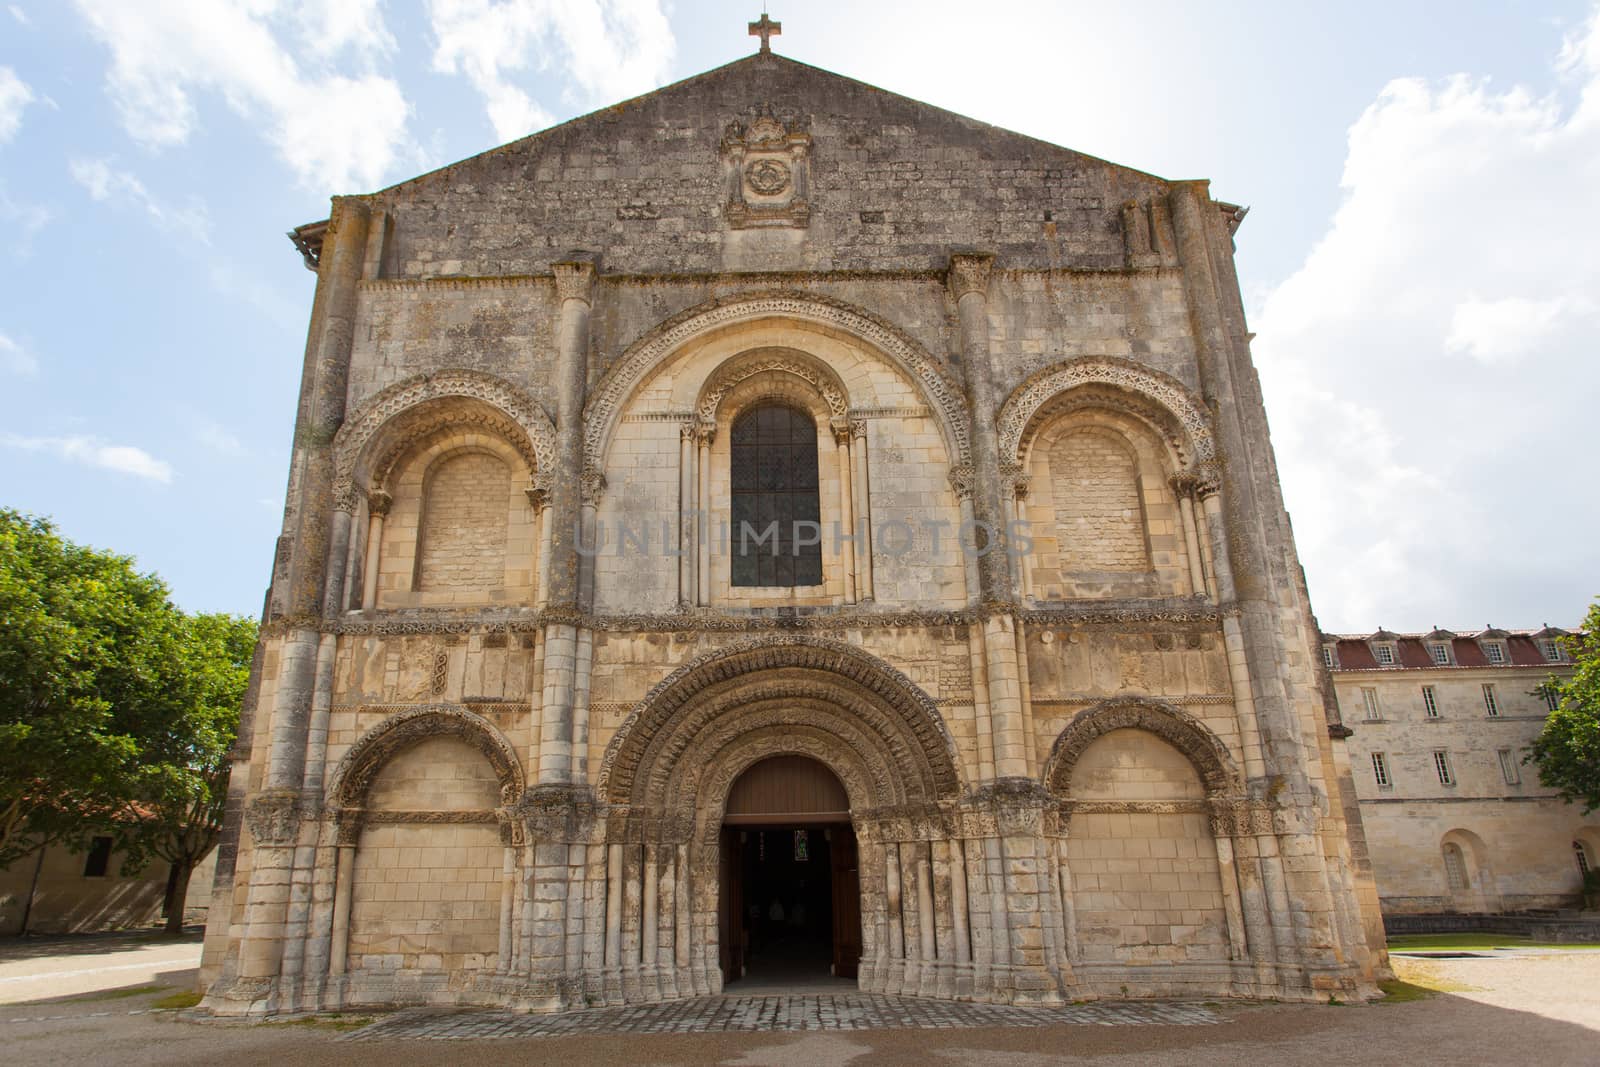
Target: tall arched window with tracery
{"x": 774, "y": 494}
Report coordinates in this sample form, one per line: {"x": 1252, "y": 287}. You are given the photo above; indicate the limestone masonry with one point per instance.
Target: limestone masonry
{"x": 1441, "y": 723}
{"x": 1038, "y": 715}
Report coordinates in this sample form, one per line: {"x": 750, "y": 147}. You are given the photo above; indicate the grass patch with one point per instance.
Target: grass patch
{"x": 118, "y": 994}
{"x": 335, "y": 1022}
{"x": 178, "y": 1001}
{"x": 1398, "y": 992}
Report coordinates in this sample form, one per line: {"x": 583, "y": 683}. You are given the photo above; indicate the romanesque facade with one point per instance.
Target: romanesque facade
{"x": 1455, "y": 821}
{"x": 1023, "y": 692}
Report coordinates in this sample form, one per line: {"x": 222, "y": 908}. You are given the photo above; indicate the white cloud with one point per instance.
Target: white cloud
{"x": 1502, "y": 331}
{"x": 338, "y": 131}
{"x": 14, "y": 359}
{"x": 1430, "y": 369}
{"x": 92, "y": 452}
{"x": 214, "y": 437}
{"x": 29, "y": 219}
{"x": 609, "y": 49}
{"x": 14, "y": 96}
{"x": 20, "y": 15}
{"x": 104, "y": 182}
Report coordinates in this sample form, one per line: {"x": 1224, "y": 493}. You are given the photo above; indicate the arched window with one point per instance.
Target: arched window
{"x": 1455, "y": 867}
{"x": 774, "y": 496}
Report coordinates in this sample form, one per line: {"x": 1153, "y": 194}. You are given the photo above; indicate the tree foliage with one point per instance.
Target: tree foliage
{"x": 1567, "y": 752}
{"x": 116, "y": 709}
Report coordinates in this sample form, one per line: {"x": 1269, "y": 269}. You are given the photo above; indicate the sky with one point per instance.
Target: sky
{"x": 1421, "y": 263}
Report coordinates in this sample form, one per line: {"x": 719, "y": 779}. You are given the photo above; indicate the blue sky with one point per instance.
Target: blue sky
{"x": 1421, "y": 260}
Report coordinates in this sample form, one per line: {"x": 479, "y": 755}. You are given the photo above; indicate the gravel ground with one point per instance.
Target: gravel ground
{"x": 1492, "y": 1011}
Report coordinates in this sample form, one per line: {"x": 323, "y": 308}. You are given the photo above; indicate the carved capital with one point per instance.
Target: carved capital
{"x": 574, "y": 279}
{"x": 858, "y": 428}
{"x": 538, "y": 490}
{"x": 592, "y": 486}
{"x": 963, "y": 479}
{"x": 379, "y": 503}
{"x": 1184, "y": 485}
{"x": 274, "y": 817}
{"x": 704, "y": 432}
{"x": 841, "y": 430}
{"x": 346, "y": 496}
{"x": 969, "y": 273}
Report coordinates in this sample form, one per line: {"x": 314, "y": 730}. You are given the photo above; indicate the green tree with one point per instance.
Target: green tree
{"x": 86, "y": 647}
{"x": 1567, "y": 752}
{"x": 175, "y": 813}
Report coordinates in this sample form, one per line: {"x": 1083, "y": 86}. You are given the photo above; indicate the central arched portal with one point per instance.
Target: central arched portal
{"x": 790, "y": 887}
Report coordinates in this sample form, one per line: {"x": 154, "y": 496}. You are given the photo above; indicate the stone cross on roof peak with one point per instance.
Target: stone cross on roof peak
{"x": 765, "y": 30}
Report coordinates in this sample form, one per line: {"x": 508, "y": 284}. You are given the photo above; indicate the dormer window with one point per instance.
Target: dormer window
{"x": 1330, "y": 659}
{"x": 1550, "y": 650}
{"x": 1440, "y": 653}
{"x": 1385, "y": 654}
{"x": 1494, "y": 652}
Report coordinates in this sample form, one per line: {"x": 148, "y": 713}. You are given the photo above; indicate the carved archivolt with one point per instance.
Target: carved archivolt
{"x": 812, "y": 371}
{"x": 1179, "y": 729}
{"x": 1166, "y": 392}
{"x": 374, "y": 422}
{"x": 606, "y": 403}
{"x": 707, "y": 694}
{"x": 354, "y": 775}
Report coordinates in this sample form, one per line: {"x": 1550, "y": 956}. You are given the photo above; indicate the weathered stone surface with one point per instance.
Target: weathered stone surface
{"x": 502, "y": 708}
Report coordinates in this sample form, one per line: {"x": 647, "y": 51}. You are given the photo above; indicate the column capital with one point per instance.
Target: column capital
{"x": 379, "y": 502}
{"x": 963, "y": 479}
{"x": 575, "y": 276}
{"x": 969, "y": 273}
{"x": 592, "y": 486}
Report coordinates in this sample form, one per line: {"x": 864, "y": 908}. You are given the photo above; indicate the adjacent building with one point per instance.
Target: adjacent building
{"x": 1441, "y": 724}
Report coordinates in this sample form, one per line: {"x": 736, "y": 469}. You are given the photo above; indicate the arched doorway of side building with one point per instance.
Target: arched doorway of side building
{"x": 790, "y": 890}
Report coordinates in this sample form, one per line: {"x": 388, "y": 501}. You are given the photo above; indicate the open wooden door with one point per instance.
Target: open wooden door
{"x": 846, "y": 882}
{"x": 730, "y": 906}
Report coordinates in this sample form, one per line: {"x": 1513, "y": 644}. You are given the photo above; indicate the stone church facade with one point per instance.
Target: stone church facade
{"x": 1041, "y": 706}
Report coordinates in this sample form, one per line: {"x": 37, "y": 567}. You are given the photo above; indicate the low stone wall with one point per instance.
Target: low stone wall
{"x": 1563, "y": 930}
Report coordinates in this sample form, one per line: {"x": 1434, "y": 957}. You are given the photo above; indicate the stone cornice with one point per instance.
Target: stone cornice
{"x": 1186, "y": 612}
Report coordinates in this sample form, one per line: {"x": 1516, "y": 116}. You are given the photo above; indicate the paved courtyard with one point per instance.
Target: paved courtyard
{"x": 101, "y": 1001}
{"x": 734, "y": 1014}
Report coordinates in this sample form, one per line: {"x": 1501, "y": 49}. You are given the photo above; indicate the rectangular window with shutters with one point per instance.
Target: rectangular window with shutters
{"x": 1490, "y": 704}
{"x": 1430, "y": 703}
{"x": 1380, "y": 770}
{"x": 1552, "y": 696}
{"x": 1369, "y": 705}
{"x": 1441, "y": 763}
{"x": 1508, "y": 767}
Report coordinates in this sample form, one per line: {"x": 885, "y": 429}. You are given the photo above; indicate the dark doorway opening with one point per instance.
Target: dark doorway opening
{"x": 790, "y": 888}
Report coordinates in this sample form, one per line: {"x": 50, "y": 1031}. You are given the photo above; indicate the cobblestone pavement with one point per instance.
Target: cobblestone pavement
{"x": 777, "y": 1014}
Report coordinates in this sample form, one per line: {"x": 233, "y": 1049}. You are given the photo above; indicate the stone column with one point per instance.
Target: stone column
{"x": 962, "y": 937}
{"x": 344, "y": 878}
{"x": 1246, "y": 502}
{"x": 538, "y": 493}
{"x": 378, "y": 503}
{"x": 847, "y": 522}
{"x": 927, "y": 944}
{"x": 863, "y": 507}
{"x": 688, "y": 593}
{"x": 1183, "y": 488}
{"x": 613, "y": 950}
{"x": 310, "y": 588}
{"x": 968, "y": 281}
{"x": 704, "y": 433}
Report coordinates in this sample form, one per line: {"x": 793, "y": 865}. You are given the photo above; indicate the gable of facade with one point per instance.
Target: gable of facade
{"x": 526, "y": 698}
